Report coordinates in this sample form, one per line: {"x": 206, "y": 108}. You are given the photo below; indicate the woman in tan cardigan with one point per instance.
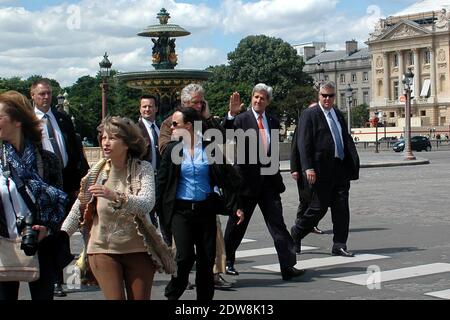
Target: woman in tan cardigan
{"x": 123, "y": 247}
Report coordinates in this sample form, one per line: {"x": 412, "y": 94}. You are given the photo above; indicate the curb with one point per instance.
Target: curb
{"x": 380, "y": 164}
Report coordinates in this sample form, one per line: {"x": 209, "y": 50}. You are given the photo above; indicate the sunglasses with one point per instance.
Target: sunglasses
{"x": 175, "y": 124}
{"x": 331, "y": 95}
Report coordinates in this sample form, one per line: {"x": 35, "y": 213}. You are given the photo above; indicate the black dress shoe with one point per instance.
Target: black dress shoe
{"x": 231, "y": 271}
{"x": 297, "y": 241}
{"x": 59, "y": 291}
{"x": 316, "y": 230}
{"x": 342, "y": 252}
{"x": 291, "y": 272}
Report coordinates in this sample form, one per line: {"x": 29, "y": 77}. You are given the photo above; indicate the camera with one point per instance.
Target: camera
{"x": 29, "y": 242}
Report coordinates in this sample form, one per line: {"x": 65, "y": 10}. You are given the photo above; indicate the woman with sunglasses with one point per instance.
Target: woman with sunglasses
{"x": 185, "y": 186}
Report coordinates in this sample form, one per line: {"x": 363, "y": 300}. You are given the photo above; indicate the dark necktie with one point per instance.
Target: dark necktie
{"x": 337, "y": 137}
{"x": 52, "y": 138}
{"x": 155, "y": 146}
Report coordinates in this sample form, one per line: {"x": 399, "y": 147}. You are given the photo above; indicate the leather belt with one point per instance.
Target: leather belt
{"x": 192, "y": 205}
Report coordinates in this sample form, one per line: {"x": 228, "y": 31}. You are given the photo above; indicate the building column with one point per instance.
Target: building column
{"x": 386, "y": 73}
{"x": 401, "y": 70}
{"x": 432, "y": 73}
{"x": 416, "y": 73}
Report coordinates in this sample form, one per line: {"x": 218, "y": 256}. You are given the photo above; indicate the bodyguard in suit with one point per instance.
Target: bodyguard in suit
{"x": 259, "y": 189}
{"x": 150, "y": 129}
{"x": 58, "y": 136}
{"x": 329, "y": 160}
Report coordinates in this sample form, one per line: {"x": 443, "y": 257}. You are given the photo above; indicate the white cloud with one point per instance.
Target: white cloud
{"x": 67, "y": 41}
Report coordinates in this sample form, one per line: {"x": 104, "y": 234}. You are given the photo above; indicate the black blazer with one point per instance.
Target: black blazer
{"x": 77, "y": 165}
{"x": 251, "y": 173}
{"x": 167, "y": 183}
{"x": 316, "y": 145}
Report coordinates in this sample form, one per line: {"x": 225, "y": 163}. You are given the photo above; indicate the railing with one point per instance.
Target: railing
{"x": 387, "y": 145}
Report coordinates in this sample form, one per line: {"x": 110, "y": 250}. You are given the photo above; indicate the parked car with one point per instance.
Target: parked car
{"x": 418, "y": 143}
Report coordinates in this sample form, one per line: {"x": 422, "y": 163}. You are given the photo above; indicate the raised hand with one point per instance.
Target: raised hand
{"x": 235, "y": 103}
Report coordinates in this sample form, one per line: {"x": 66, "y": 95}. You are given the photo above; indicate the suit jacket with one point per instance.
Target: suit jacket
{"x": 251, "y": 173}
{"x": 316, "y": 145}
{"x": 148, "y": 140}
{"x": 77, "y": 165}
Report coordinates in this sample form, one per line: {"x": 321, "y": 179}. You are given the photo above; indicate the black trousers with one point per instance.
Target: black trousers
{"x": 269, "y": 201}
{"x": 194, "y": 231}
{"x": 332, "y": 193}
{"x": 41, "y": 289}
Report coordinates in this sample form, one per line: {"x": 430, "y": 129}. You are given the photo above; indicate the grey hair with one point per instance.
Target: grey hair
{"x": 189, "y": 90}
{"x": 328, "y": 85}
{"x": 263, "y": 87}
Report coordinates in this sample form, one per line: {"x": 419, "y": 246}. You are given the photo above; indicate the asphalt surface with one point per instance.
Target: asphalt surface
{"x": 399, "y": 216}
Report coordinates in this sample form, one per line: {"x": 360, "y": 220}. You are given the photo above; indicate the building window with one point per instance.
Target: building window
{"x": 395, "y": 90}
{"x": 342, "y": 78}
{"x": 411, "y": 58}
{"x": 365, "y": 76}
{"x": 354, "y": 78}
{"x": 391, "y": 114}
{"x": 395, "y": 61}
{"x": 423, "y": 113}
{"x": 366, "y": 99}
{"x": 326, "y": 78}
{"x": 427, "y": 57}
{"x": 380, "y": 88}
{"x": 343, "y": 101}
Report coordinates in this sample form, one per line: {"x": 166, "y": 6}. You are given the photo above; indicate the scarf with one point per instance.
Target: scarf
{"x": 50, "y": 201}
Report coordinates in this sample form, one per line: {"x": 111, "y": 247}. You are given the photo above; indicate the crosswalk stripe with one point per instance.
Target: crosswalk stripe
{"x": 247, "y": 240}
{"x": 324, "y": 262}
{"x": 264, "y": 251}
{"x": 444, "y": 294}
{"x": 396, "y": 274}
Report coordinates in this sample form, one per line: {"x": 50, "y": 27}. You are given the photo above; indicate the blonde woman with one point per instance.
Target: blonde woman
{"x": 115, "y": 198}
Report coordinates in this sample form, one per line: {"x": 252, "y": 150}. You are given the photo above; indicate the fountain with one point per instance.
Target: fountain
{"x": 165, "y": 82}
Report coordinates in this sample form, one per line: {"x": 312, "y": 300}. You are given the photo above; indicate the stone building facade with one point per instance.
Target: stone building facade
{"x": 419, "y": 42}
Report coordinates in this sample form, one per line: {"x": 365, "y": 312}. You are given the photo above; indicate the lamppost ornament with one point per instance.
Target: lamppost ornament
{"x": 60, "y": 99}
{"x": 407, "y": 81}
{"x": 105, "y": 71}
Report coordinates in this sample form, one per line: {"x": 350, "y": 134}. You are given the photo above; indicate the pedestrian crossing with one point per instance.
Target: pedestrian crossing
{"x": 373, "y": 277}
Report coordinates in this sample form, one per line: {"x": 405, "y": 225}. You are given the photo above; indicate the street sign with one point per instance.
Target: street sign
{"x": 402, "y": 99}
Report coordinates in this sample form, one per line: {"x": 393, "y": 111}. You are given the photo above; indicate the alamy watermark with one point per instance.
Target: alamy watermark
{"x": 246, "y": 150}
{"x": 373, "y": 277}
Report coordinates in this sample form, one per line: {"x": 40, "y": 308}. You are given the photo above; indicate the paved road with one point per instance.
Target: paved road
{"x": 399, "y": 227}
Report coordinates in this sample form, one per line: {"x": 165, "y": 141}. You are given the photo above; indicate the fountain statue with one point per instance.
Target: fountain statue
{"x": 165, "y": 82}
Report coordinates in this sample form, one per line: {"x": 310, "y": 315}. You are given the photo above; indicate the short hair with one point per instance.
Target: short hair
{"x": 18, "y": 108}
{"x": 42, "y": 81}
{"x": 263, "y": 87}
{"x": 189, "y": 115}
{"x": 126, "y": 130}
{"x": 189, "y": 90}
{"x": 149, "y": 96}
{"x": 328, "y": 85}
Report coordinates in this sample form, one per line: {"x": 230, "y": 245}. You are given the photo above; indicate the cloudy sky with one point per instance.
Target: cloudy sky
{"x": 65, "y": 40}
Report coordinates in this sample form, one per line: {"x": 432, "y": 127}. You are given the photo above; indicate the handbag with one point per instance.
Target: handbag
{"x": 14, "y": 264}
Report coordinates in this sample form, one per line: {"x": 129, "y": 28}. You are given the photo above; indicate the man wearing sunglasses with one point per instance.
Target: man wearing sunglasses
{"x": 329, "y": 160}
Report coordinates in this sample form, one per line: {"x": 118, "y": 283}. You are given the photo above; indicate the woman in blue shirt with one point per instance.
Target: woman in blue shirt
{"x": 185, "y": 184}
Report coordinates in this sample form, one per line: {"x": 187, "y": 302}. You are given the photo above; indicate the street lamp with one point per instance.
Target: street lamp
{"x": 105, "y": 71}
{"x": 349, "y": 95}
{"x": 384, "y": 122}
{"x": 407, "y": 81}
{"x": 375, "y": 121}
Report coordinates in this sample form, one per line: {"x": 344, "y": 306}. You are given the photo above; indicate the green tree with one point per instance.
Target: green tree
{"x": 360, "y": 116}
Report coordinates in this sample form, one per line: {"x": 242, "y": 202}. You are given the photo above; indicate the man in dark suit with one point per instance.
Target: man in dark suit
{"x": 329, "y": 160}
{"x": 150, "y": 129}
{"x": 59, "y": 136}
{"x": 259, "y": 189}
